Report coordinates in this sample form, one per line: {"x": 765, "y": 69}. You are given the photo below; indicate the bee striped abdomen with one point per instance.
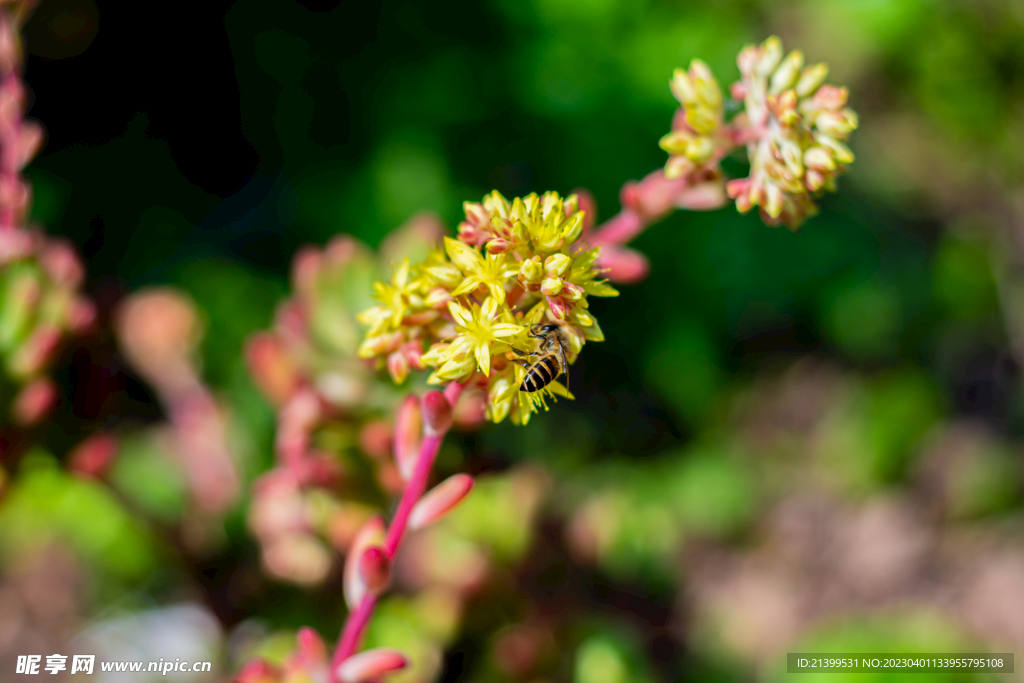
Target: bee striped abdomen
{"x": 541, "y": 374}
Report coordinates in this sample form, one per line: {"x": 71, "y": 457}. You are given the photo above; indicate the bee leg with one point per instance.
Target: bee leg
{"x": 565, "y": 368}
{"x": 523, "y": 363}
{"x": 524, "y": 353}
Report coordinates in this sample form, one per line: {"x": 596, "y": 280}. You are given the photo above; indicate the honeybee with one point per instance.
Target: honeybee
{"x": 550, "y": 360}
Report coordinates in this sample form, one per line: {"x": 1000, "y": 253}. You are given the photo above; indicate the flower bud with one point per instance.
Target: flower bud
{"x": 438, "y": 298}
{"x": 440, "y": 500}
{"x": 811, "y": 79}
{"x": 408, "y": 434}
{"x": 558, "y": 307}
{"x": 551, "y": 286}
{"x": 34, "y": 401}
{"x": 571, "y": 292}
{"x": 771, "y": 55}
{"x": 371, "y": 665}
{"x": 93, "y": 457}
{"x": 557, "y": 264}
{"x": 375, "y": 569}
{"x": 785, "y": 76}
{"x": 437, "y": 413}
{"x": 370, "y": 535}
{"x": 820, "y": 159}
{"x": 497, "y": 246}
{"x": 398, "y": 366}
{"x": 532, "y": 270}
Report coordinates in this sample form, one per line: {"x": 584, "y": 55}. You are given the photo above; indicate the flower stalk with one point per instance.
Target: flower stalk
{"x": 362, "y": 611}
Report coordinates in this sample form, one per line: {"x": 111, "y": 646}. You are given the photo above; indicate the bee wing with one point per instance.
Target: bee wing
{"x": 558, "y": 390}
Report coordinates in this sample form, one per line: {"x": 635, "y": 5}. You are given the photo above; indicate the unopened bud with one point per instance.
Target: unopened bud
{"x": 438, "y": 298}
{"x": 551, "y": 286}
{"x": 371, "y": 665}
{"x": 558, "y": 306}
{"x": 532, "y": 271}
{"x": 398, "y": 366}
{"x": 571, "y": 292}
{"x": 497, "y": 246}
{"x": 375, "y": 569}
{"x": 557, "y": 264}
{"x": 771, "y": 55}
{"x": 811, "y": 79}
{"x": 437, "y": 413}
{"x": 372, "y": 534}
{"x": 93, "y": 457}
{"x": 440, "y": 500}
{"x": 34, "y": 402}
{"x": 408, "y": 433}
{"x": 820, "y": 159}
{"x": 786, "y": 75}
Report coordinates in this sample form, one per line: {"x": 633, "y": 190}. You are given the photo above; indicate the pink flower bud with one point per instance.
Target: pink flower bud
{"x": 408, "y": 434}
{"x": 476, "y": 214}
{"x": 413, "y": 351}
{"x": 93, "y": 457}
{"x": 310, "y": 656}
{"x": 571, "y": 292}
{"x": 371, "y": 665}
{"x": 398, "y": 366}
{"x": 558, "y": 306}
{"x": 271, "y": 368}
{"x": 257, "y": 671}
{"x": 371, "y": 534}
{"x": 437, "y": 413}
{"x": 624, "y": 265}
{"x": 738, "y": 91}
{"x": 34, "y": 402}
{"x": 305, "y": 267}
{"x": 375, "y": 569}
{"x": 440, "y": 500}
{"x": 497, "y": 246}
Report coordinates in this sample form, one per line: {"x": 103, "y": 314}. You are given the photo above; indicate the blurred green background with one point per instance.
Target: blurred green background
{"x": 788, "y": 441}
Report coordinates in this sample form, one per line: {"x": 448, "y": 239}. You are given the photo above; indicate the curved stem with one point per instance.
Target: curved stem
{"x": 359, "y": 617}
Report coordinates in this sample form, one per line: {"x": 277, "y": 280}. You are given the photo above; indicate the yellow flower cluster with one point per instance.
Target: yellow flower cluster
{"x": 471, "y": 305}
{"x": 697, "y": 136}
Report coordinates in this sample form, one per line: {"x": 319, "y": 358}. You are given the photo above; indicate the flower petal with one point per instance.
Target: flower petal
{"x": 483, "y": 358}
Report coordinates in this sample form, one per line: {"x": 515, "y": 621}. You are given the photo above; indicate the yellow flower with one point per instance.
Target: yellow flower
{"x": 492, "y": 271}
{"x": 480, "y": 332}
{"x": 550, "y": 221}
{"x": 398, "y": 298}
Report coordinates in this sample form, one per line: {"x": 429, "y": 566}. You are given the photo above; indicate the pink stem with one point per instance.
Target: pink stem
{"x": 359, "y": 617}
{"x": 10, "y": 129}
{"x": 621, "y": 228}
